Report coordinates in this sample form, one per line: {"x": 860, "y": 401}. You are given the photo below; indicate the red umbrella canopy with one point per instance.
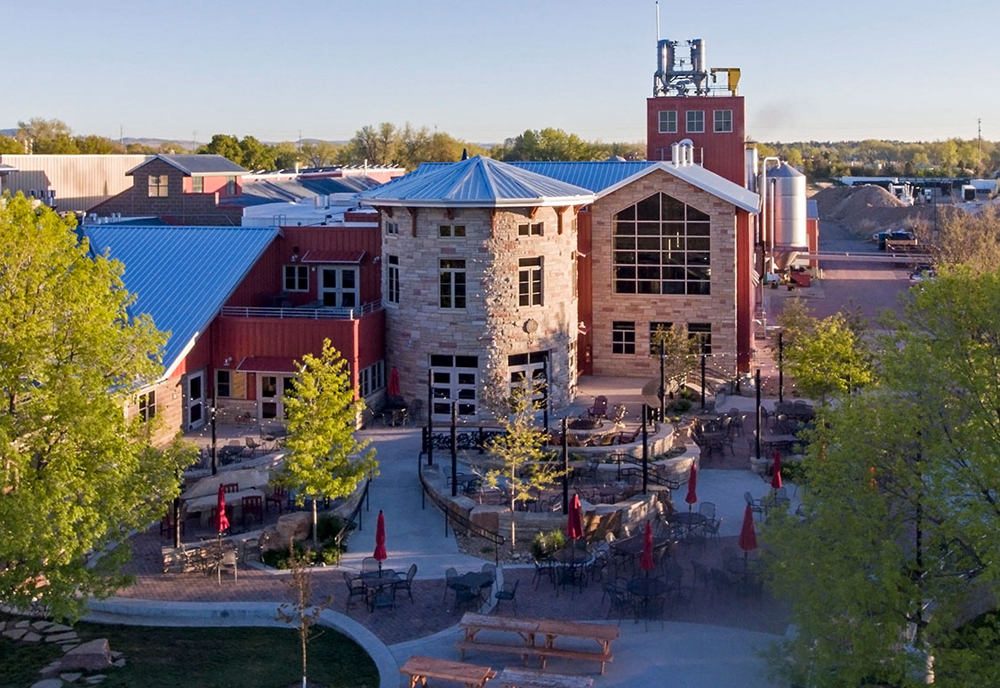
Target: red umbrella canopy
{"x": 748, "y": 536}
{"x": 574, "y": 522}
{"x": 380, "y": 553}
{"x": 692, "y": 495}
{"x": 393, "y": 382}
{"x": 221, "y": 520}
{"x": 776, "y": 478}
{"x": 646, "y": 563}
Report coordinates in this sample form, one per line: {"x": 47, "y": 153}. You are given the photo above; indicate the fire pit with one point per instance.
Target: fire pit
{"x": 585, "y": 423}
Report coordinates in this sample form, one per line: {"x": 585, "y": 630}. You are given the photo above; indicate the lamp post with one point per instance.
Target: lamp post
{"x": 645, "y": 448}
{"x": 703, "y": 355}
{"x": 545, "y": 397}
{"x": 565, "y": 457}
{"x": 757, "y": 385}
{"x": 781, "y": 367}
{"x": 454, "y": 448}
{"x": 430, "y": 417}
{"x": 215, "y": 452}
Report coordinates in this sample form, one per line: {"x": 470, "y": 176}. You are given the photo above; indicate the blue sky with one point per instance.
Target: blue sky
{"x": 485, "y": 70}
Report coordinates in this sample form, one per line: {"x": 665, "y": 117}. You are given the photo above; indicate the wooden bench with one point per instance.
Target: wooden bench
{"x": 419, "y": 669}
{"x": 529, "y": 629}
{"x": 526, "y": 678}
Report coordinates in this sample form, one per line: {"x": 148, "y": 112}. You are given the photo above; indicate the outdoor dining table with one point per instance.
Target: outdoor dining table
{"x": 380, "y": 579}
{"x": 646, "y": 589}
{"x": 204, "y": 505}
{"x": 473, "y": 582}
{"x": 779, "y": 442}
{"x": 570, "y": 563}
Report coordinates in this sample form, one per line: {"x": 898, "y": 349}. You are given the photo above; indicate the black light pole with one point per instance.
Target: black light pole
{"x": 757, "y": 385}
{"x": 565, "y": 457}
{"x": 781, "y": 367}
{"x": 645, "y": 449}
{"x": 177, "y": 516}
{"x": 703, "y": 355}
{"x": 430, "y": 417}
{"x": 663, "y": 382}
{"x": 545, "y": 397}
{"x": 454, "y": 448}
{"x": 215, "y": 453}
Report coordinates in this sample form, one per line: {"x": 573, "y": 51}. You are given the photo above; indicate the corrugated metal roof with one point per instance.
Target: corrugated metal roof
{"x": 198, "y": 164}
{"x": 812, "y": 209}
{"x": 603, "y": 177}
{"x": 181, "y": 276}
{"x": 261, "y": 191}
{"x": 476, "y": 182}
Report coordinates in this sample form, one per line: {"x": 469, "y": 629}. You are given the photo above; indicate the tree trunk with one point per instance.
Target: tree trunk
{"x": 512, "y": 532}
{"x": 315, "y": 522}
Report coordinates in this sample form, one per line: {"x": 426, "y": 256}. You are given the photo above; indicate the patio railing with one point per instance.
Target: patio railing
{"x": 302, "y": 312}
{"x": 458, "y": 520}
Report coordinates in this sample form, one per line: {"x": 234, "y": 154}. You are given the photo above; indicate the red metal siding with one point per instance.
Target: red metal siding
{"x": 744, "y": 291}
{"x": 720, "y": 153}
{"x": 585, "y": 294}
{"x": 266, "y": 278}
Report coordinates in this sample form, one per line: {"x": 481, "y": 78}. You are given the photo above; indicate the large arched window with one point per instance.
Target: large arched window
{"x": 661, "y": 246}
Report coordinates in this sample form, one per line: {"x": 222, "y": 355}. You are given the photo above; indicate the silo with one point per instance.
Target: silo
{"x": 787, "y": 188}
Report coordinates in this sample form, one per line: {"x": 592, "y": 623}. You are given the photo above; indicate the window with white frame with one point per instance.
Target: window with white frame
{"x": 296, "y": 278}
{"x": 452, "y": 283}
{"x": 723, "y": 121}
{"x": 529, "y": 281}
{"x": 667, "y": 121}
{"x": 454, "y": 378}
{"x": 223, "y": 384}
{"x": 392, "y": 279}
{"x": 451, "y": 231}
{"x": 338, "y": 286}
{"x": 391, "y": 227}
{"x": 695, "y": 121}
{"x": 528, "y": 369}
{"x": 158, "y": 186}
{"x": 622, "y": 337}
{"x": 371, "y": 379}
{"x": 531, "y": 229}
{"x": 703, "y": 333}
{"x": 661, "y": 246}
{"x": 147, "y": 406}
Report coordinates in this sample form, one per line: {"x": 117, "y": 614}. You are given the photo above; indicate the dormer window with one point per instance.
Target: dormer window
{"x": 157, "y": 186}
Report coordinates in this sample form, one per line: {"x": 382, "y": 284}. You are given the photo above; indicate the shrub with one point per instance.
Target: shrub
{"x": 544, "y": 544}
{"x": 329, "y": 525}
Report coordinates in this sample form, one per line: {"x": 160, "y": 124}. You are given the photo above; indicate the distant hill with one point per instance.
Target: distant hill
{"x": 8, "y": 132}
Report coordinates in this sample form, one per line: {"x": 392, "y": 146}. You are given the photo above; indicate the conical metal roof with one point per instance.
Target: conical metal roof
{"x": 783, "y": 170}
{"x": 477, "y": 183}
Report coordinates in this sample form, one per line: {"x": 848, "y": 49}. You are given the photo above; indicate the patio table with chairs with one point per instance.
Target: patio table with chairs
{"x": 203, "y": 506}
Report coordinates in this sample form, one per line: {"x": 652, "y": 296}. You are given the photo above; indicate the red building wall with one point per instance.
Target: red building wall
{"x": 585, "y": 293}
{"x": 722, "y": 153}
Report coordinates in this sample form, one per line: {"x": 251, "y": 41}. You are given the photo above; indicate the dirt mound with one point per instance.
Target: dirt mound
{"x": 867, "y": 209}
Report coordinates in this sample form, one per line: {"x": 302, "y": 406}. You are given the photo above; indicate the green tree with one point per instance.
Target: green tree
{"x": 523, "y": 470}
{"x": 255, "y": 155}
{"x": 325, "y": 457}
{"x": 830, "y": 359}
{"x": 75, "y": 476}
{"x": 680, "y": 351}
{"x": 286, "y": 155}
{"x": 97, "y": 145}
{"x": 226, "y": 145}
{"x": 896, "y": 548}
{"x": 9, "y": 144}
{"x": 321, "y": 153}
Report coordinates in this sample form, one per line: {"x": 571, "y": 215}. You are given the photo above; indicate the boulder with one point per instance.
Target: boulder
{"x": 293, "y": 526}
{"x": 71, "y": 676}
{"x": 47, "y": 683}
{"x": 62, "y": 637}
{"x": 92, "y": 656}
{"x": 30, "y": 637}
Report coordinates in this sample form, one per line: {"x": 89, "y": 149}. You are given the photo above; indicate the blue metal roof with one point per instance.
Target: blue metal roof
{"x": 181, "y": 276}
{"x": 476, "y": 182}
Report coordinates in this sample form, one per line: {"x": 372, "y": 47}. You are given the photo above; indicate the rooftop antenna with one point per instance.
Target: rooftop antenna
{"x": 657, "y": 21}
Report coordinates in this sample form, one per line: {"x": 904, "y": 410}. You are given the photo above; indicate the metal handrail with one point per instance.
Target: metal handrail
{"x": 652, "y": 474}
{"x": 460, "y": 522}
{"x": 302, "y": 313}
{"x": 355, "y": 513}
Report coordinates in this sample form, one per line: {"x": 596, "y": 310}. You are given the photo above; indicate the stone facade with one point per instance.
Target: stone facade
{"x": 170, "y": 409}
{"x": 718, "y": 308}
{"x": 492, "y": 326}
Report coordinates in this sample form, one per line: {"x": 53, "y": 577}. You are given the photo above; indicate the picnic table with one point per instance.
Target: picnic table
{"x": 419, "y": 669}
{"x": 526, "y": 678}
{"x": 530, "y": 629}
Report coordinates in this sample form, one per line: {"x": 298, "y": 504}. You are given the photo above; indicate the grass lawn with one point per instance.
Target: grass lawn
{"x": 207, "y": 657}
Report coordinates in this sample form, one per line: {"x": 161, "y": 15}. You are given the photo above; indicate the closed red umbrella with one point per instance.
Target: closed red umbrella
{"x": 393, "y": 382}
{"x": 646, "y": 563}
{"x": 574, "y": 521}
{"x": 692, "y": 495}
{"x": 221, "y": 520}
{"x": 748, "y": 536}
{"x": 776, "y": 478}
{"x": 380, "y": 553}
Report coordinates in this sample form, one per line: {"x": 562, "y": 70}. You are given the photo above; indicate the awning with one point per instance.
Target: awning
{"x": 267, "y": 364}
{"x": 317, "y": 256}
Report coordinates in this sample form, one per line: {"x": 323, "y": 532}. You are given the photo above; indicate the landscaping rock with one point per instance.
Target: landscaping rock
{"x": 91, "y": 656}
{"x": 22, "y": 624}
{"x": 62, "y": 637}
{"x": 51, "y": 670}
{"x": 293, "y": 526}
{"x": 58, "y": 628}
{"x": 70, "y": 677}
{"x": 117, "y": 655}
{"x": 47, "y": 683}
{"x": 41, "y": 625}
{"x": 14, "y": 633}
{"x": 3, "y": 626}
{"x": 119, "y": 663}
{"x": 95, "y": 679}
{"x": 30, "y": 637}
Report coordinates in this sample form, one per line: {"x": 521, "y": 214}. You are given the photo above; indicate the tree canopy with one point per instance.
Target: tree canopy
{"x": 325, "y": 458}
{"x": 76, "y": 477}
{"x": 895, "y": 547}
